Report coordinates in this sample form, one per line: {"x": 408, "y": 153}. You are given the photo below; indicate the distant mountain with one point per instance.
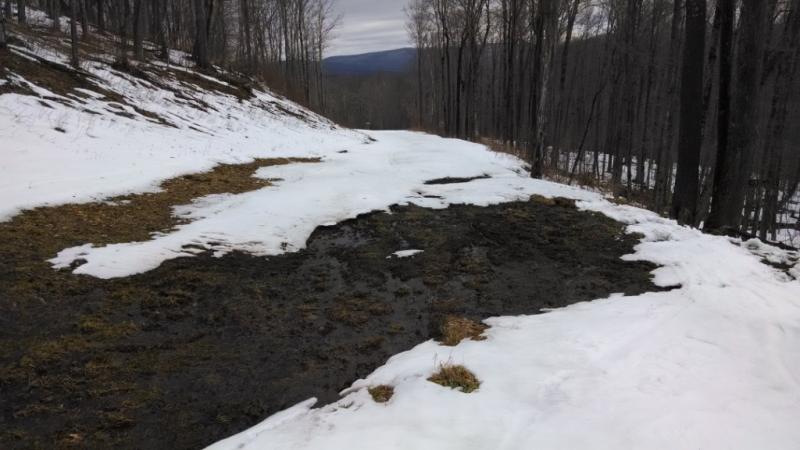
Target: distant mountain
{"x": 391, "y": 61}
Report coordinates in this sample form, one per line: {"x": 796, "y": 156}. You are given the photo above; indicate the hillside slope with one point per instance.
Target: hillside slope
{"x": 75, "y": 136}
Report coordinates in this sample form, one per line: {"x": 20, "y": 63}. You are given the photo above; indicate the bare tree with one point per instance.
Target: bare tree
{"x": 73, "y": 31}
{"x": 3, "y": 30}
{"x": 22, "y": 12}
{"x": 543, "y": 24}
{"x": 201, "y": 35}
{"x": 735, "y": 167}
{"x": 684, "y": 199}
{"x": 138, "y": 32}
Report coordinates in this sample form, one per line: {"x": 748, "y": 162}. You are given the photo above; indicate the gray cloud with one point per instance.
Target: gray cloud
{"x": 369, "y": 25}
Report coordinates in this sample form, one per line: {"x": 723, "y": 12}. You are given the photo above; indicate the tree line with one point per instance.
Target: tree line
{"x": 280, "y": 41}
{"x": 684, "y": 105}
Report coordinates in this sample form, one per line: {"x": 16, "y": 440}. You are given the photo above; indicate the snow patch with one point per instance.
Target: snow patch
{"x": 404, "y": 253}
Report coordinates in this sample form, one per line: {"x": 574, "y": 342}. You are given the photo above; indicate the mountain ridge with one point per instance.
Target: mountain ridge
{"x": 395, "y": 61}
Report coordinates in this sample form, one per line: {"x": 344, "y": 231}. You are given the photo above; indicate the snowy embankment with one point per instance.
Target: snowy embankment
{"x": 712, "y": 364}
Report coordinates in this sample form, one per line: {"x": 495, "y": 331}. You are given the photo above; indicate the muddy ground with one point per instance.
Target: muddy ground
{"x": 204, "y": 347}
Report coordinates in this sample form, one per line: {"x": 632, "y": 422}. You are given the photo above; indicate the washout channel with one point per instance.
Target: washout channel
{"x": 203, "y": 347}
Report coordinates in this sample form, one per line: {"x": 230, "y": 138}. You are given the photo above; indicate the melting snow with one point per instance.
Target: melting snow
{"x": 404, "y": 253}
{"x": 280, "y": 218}
{"x": 713, "y": 364}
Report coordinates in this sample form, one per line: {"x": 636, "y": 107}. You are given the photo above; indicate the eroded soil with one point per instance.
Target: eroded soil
{"x": 204, "y": 347}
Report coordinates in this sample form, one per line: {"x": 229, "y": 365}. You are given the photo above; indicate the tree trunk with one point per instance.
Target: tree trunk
{"x": 73, "y": 31}
{"x": 3, "y": 30}
{"x": 684, "y": 199}
{"x": 787, "y": 67}
{"x": 55, "y": 14}
{"x": 542, "y": 54}
{"x": 201, "y": 35}
{"x": 122, "y": 59}
{"x": 138, "y": 22}
{"x": 160, "y": 24}
{"x": 101, "y": 18}
{"x": 727, "y": 10}
{"x": 21, "y": 12}
{"x": 245, "y": 29}
{"x": 735, "y": 159}
{"x": 664, "y": 163}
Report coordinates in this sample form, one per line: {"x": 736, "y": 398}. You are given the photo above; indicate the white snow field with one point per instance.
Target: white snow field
{"x": 713, "y": 364}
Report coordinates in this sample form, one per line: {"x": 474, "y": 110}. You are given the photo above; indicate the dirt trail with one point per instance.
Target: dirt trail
{"x": 204, "y": 347}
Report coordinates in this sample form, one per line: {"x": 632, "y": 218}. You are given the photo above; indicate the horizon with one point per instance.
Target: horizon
{"x": 376, "y": 52}
{"x": 368, "y": 26}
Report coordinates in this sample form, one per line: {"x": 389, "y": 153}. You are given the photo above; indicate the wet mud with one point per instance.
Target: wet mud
{"x": 204, "y": 347}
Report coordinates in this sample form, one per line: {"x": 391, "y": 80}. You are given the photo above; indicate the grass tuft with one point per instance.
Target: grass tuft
{"x": 382, "y": 393}
{"x": 456, "y": 329}
{"x": 542, "y": 200}
{"x": 456, "y": 377}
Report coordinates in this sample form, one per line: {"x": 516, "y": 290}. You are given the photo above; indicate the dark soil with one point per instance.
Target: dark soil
{"x": 205, "y": 347}
{"x": 456, "y": 180}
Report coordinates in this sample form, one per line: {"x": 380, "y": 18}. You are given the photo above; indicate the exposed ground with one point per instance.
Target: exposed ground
{"x": 204, "y": 347}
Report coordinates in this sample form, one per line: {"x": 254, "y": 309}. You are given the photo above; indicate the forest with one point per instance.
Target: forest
{"x": 685, "y": 107}
{"x": 657, "y": 101}
{"x": 278, "y": 41}
{"x": 682, "y": 106}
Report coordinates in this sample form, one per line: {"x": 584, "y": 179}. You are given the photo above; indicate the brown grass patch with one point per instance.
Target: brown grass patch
{"x": 542, "y": 200}
{"x": 455, "y": 329}
{"x": 357, "y": 310}
{"x": 456, "y": 377}
{"x": 36, "y": 235}
{"x": 564, "y": 202}
{"x": 382, "y": 393}
{"x": 132, "y": 217}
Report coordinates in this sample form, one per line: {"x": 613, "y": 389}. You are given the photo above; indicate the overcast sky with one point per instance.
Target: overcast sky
{"x": 368, "y": 26}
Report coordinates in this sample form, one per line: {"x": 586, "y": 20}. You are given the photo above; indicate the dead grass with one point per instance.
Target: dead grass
{"x": 357, "y": 310}
{"x": 34, "y": 236}
{"x": 382, "y": 393}
{"x": 499, "y": 146}
{"x": 455, "y": 377}
{"x": 132, "y": 217}
{"x": 456, "y": 329}
{"x": 542, "y": 200}
{"x": 555, "y": 201}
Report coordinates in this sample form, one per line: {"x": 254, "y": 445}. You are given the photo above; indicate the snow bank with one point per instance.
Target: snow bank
{"x": 66, "y": 149}
{"x": 712, "y": 365}
{"x": 405, "y": 253}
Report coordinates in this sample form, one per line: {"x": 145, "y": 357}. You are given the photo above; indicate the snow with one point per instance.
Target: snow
{"x": 101, "y": 154}
{"x": 712, "y": 364}
{"x": 280, "y": 218}
{"x": 404, "y": 253}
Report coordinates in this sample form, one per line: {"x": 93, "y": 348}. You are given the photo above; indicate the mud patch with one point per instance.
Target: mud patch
{"x": 205, "y": 347}
{"x": 456, "y": 180}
